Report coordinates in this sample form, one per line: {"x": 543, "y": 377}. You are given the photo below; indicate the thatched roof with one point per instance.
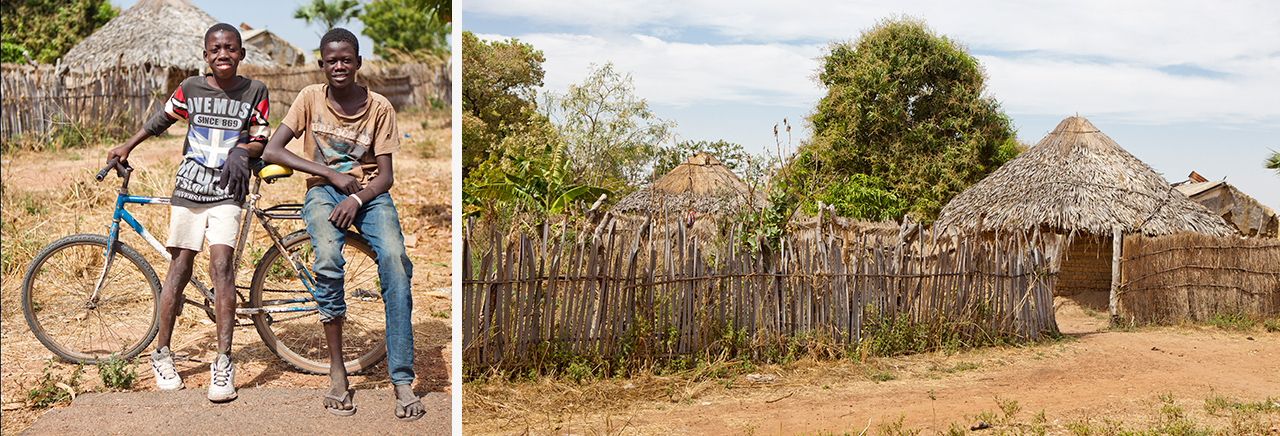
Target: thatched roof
{"x": 1077, "y": 179}
{"x": 701, "y": 184}
{"x": 159, "y": 33}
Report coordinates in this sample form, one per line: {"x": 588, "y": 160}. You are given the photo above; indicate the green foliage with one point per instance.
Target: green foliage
{"x": 117, "y": 373}
{"x": 499, "y": 82}
{"x": 542, "y": 181}
{"x": 611, "y": 134}
{"x": 52, "y": 388}
{"x": 862, "y": 196}
{"x": 1232, "y": 321}
{"x": 47, "y": 29}
{"x": 1271, "y": 324}
{"x": 1273, "y": 161}
{"x": 407, "y": 29}
{"x": 328, "y": 13}
{"x": 443, "y": 313}
{"x": 905, "y": 106}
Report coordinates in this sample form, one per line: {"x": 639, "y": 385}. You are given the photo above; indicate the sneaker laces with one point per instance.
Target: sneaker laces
{"x": 164, "y": 366}
{"x": 222, "y": 371}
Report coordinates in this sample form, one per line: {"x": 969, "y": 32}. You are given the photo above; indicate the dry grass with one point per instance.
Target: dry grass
{"x": 37, "y": 212}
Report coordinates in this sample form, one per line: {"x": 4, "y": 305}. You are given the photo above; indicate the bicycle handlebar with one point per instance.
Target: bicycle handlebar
{"x": 121, "y": 169}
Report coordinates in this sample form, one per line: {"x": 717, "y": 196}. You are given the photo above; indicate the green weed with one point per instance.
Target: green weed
{"x": 53, "y": 388}
{"x": 1232, "y": 321}
{"x": 118, "y": 373}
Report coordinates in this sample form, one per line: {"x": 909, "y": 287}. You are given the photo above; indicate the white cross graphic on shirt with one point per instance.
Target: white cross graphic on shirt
{"x": 211, "y": 145}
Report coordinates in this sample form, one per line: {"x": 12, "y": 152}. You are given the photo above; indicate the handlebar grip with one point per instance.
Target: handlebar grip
{"x": 121, "y": 169}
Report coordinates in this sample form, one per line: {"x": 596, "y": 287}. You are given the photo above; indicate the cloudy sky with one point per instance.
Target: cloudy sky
{"x": 1182, "y": 85}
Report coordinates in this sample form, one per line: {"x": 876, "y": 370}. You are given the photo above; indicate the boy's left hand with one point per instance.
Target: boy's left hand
{"x": 235, "y": 174}
{"x": 345, "y": 212}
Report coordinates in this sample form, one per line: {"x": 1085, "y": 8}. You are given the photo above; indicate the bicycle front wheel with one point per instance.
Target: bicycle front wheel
{"x": 66, "y": 315}
{"x": 290, "y": 322}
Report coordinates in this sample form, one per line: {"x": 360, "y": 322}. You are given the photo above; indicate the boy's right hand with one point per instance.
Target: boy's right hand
{"x": 344, "y": 183}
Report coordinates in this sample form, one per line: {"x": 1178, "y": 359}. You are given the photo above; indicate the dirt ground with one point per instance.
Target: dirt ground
{"x": 49, "y": 195}
{"x": 1094, "y": 376}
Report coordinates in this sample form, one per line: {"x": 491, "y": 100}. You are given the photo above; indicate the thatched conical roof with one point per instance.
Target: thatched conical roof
{"x": 159, "y": 33}
{"x": 700, "y": 184}
{"x": 1077, "y": 179}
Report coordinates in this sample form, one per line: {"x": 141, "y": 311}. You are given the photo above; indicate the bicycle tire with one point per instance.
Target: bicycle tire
{"x": 298, "y": 337}
{"x": 55, "y": 300}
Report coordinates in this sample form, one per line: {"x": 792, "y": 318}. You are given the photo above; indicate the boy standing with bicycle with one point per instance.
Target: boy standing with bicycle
{"x": 226, "y": 113}
{"x": 349, "y": 134}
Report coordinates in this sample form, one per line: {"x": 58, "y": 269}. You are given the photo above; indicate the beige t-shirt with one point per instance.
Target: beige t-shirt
{"x": 346, "y": 144}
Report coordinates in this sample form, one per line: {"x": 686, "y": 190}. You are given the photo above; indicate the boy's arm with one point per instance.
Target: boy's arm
{"x": 345, "y": 212}
{"x": 275, "y": 153}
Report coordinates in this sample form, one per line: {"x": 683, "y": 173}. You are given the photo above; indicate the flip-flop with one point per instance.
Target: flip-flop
{"x": 345, "y": 399}
{"x": 402, "y": 406}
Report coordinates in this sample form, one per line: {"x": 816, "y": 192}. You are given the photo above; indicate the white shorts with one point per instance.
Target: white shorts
{"x": 190, "y": 226}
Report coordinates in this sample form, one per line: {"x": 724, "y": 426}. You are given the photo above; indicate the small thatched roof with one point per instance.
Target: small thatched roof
{"x": 701, "y": 184}
{"x": 159, "y": 33}
{"x": 1077, "y": 179}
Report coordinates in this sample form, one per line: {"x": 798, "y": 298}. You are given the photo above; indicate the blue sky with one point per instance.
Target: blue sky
{"x": 1182, "y": 85}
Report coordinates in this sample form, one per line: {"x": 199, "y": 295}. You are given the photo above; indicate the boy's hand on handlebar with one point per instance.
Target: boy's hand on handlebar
{"x": 344, "y": 183}
{"x": 345, "y": 212}
{"x": 121, "y": 152}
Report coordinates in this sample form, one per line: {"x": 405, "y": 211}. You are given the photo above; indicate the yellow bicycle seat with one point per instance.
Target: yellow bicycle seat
{"x": 272, "y": 172}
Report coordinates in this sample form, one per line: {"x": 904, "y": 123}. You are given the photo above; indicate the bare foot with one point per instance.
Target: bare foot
{"x": 338, "y": 400}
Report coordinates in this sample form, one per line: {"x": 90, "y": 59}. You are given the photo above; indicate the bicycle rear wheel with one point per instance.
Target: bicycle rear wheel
{"x": 58, "y": 301}
{"x": 291, "y": 328}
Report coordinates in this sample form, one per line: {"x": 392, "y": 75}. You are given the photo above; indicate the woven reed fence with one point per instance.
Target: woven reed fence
{"x": 36, "y": 100}
{"x": 1194, "y": 277}
{"x": 642, "y": 293}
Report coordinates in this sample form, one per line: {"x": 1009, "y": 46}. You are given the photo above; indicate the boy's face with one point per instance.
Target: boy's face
{"x": 340, "y": 62}
{"x": 223, "y": 52}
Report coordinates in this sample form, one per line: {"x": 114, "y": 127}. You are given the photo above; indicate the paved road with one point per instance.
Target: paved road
{"x": 266, "y": 411}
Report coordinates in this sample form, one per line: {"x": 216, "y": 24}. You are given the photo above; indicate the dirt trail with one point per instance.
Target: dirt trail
{"x": 1099, "y": 374}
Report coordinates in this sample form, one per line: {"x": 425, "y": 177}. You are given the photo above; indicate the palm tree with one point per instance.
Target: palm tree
{"x": 329, "y": 13}
{"x": 1273, "y": 161}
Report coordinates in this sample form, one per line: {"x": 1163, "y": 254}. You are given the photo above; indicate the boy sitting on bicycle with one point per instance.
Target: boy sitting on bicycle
{"x": 349, "y": 134}
{"x": 226, "y": 113}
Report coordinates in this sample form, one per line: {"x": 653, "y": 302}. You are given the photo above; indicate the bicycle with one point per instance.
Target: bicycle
{"x": 86, "y": 307}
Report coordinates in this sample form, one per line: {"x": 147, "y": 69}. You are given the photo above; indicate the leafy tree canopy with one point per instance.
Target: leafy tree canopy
{"x": 904, "y": 106}
{"x": 47, "y": 29}
{"x": 328, "y": 13}
{"x": 499, "y": 84}
{"x": 729, "y": 154}
{"x": 1273, "y": 161}
{"x": 407, "y": 29}
{"x": 611, "y": 135}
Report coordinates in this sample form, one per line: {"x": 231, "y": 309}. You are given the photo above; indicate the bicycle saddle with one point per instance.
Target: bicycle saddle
{"x": 270, "y": 172}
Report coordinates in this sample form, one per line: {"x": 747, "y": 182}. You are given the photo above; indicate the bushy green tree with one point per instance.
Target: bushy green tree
{"x": 904, "y": 106}
{"x": 47, "y": 29}
{"x": 328, "y": 13}
{"x": 610, "y": 133}
{"x": 1273, "y": 161}
{"x": 729, "y": 154}
{"x": 407, "y": 29}
{"x": 499, "y": 86}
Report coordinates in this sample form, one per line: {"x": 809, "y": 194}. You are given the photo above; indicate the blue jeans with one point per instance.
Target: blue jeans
{"x": 379, "y": 223}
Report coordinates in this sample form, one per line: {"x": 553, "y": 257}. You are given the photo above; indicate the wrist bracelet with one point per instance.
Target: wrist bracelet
{"x": 358, "y": 202}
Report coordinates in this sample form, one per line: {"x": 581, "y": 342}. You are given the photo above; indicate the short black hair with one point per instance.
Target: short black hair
{"x": 223, "y": 27}
{"x": 338, "y": 34}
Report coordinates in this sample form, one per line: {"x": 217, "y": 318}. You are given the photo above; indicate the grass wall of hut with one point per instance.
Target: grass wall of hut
{"x": 1191, "y": 277}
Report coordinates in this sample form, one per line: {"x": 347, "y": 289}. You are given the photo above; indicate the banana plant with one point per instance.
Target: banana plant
{"x": 544, "y": 182}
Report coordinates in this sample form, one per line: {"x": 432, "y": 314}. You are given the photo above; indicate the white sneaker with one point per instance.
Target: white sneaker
{"x": 222, "y": 379}
{"x": 167, "y": 378}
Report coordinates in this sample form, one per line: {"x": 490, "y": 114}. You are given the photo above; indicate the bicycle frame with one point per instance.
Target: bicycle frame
{"x": 250, "y": 210}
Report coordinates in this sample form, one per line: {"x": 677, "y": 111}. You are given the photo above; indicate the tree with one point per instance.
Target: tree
{"x": 905, "y": 107}
{"x": 499, "y": 83}
{"x": 1273, "y": 161}
{"x": 328, "y": 13}
{"x": 44, "y": 30}
{"x": 611, "y": 134}
{"x": 407, "y": 29}
{"x": 729, "y": 154}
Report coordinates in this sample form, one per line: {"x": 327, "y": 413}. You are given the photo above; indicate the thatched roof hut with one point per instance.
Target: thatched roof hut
{"x": 154, "y": 33}
{"x": 1077, "y": 179}
{"x": 700, "y": 184}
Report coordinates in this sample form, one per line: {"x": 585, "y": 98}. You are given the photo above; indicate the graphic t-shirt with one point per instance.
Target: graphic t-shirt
{"x": 346, "y": 144}
{"x": 217, "y": 120}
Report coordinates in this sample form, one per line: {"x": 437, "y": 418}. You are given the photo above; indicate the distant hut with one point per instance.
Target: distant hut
{"x": 275, "y": 47}
{"x": 699, "y": 192}
{"x": 1249, "y": 217}
{"x": 1079, "y": 183}
{"x": 165, "y": 34}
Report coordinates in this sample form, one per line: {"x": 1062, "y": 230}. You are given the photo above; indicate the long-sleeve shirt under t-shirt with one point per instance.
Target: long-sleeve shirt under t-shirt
{"x": 218, "y": 119}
